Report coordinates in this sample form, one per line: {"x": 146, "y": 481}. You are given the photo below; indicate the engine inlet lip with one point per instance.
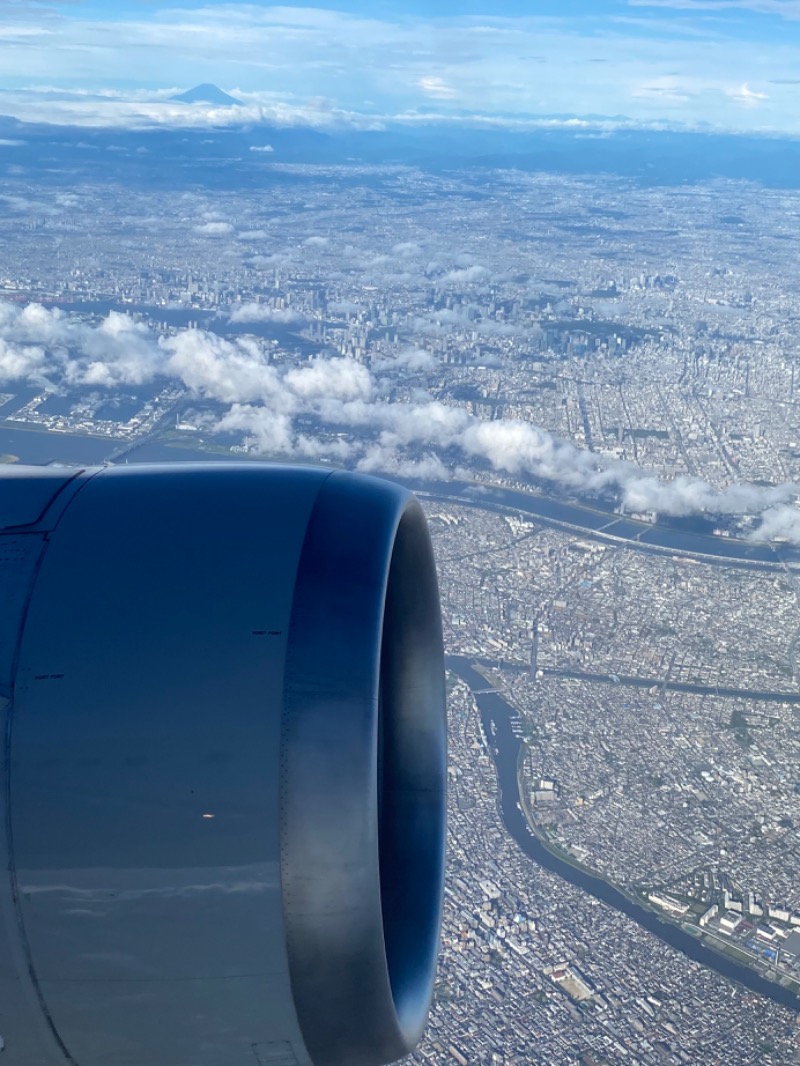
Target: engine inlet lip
{"x": 362, "y": 782}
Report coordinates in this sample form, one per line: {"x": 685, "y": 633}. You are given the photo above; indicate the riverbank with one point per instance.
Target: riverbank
{"x": 497, "y": 717}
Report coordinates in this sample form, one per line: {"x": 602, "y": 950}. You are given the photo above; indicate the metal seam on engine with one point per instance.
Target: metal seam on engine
{"x": 24, "y": 942}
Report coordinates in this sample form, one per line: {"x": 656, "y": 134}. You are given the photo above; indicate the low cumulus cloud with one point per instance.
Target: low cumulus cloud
{"x": 466, "y": 320}
{"x": 214, "y": 229}
{"x": 274, "y": 259}
{"x": 413, "y": 359}
{"x": 251, "y": 312}
{"x": 268, "y": 403}
{"x": 778, "y": 523}
{"x": 465, "y": 275}
{"x": 407, "y": 248}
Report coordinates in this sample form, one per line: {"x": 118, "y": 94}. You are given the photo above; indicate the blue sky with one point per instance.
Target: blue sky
{"x": 731, "y": 64}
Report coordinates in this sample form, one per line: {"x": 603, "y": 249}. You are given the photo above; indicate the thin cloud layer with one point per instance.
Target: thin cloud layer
{"x": 325, "y": 68}
{"x": 786, "y": 9}
{"x": 267, "y": 403}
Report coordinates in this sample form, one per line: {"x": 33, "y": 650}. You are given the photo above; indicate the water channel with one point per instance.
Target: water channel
{"x": 497, "y": 716}
{"x": 595, "y": 524}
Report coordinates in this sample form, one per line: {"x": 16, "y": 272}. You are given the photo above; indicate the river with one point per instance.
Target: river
{"x": 595, "y": 524}
{"x": 497, "y": 716}
{"x": 40, "y": 448}
{"x": 34, "y": 445}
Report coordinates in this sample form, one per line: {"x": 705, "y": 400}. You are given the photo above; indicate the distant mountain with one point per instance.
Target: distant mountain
{"x": 207, "y": 94}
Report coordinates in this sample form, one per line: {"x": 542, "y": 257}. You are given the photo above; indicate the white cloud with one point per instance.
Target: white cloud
{"x": 467, "y": 275}
{"x": 324, "y": 68}
{"x": 747, "y": 97}
{"x": 437, "y": 88}
{"x": 781, "y": 522}
{"x": 249, "y": 312}
{"x": 326, "y": 379}
{"x": 261, "y": 148}
{"x": 113, "y": 108}
{"x": 672, "y": 90}
{"x": 20, "y": 363}
{"x": 788, "y": 9}
{"x": 358, "y": 423}
{"x": 414, "y": 359}
{"x": 214, "y": 229}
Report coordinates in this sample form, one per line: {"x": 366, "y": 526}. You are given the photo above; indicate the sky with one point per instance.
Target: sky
{"x": 729, "y": 64}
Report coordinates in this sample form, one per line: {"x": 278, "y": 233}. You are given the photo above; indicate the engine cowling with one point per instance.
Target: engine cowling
{"x": 222, "y": 696}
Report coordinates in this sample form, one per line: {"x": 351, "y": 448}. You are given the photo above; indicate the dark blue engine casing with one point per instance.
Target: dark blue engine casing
{"x": 223, "y": 779}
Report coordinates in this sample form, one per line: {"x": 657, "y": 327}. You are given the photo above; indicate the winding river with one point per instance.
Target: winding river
{"x": 497, "y": 716}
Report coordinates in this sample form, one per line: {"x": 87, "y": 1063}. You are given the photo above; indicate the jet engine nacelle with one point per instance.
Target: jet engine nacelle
{"x": 223, "y": 779}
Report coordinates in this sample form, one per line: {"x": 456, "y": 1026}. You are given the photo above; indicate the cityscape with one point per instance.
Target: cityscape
{"x": 559, "y": 365}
